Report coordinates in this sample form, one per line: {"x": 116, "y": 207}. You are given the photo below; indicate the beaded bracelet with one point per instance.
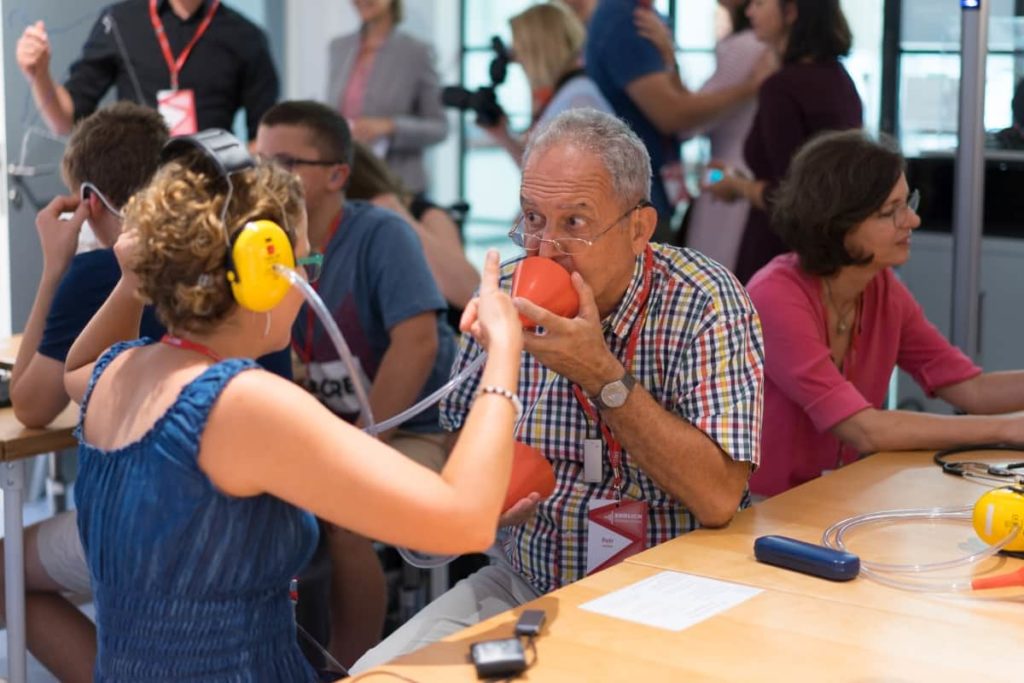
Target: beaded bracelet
{"x": 502, "y": 391}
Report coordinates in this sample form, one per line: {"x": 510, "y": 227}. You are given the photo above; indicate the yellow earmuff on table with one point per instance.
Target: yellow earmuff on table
{"x": 997, "y": 512}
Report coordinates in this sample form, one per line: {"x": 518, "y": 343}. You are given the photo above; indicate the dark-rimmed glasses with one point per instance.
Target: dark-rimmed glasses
{"x": 529, "y": 238}
{"x": 289, "y": 162}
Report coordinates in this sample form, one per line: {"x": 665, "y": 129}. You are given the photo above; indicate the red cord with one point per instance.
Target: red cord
{"x": 1003, "y": 581}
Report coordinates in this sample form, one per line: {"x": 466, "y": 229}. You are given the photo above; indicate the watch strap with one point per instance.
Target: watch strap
{"x": 627, "y": 381}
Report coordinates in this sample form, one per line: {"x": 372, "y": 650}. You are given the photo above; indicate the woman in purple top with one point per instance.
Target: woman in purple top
{"x": 837, "y": 321}
{"x": 811, "y": 93}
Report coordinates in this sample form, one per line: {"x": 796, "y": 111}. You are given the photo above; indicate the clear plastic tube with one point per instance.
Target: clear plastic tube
{"x": 437, "y": 395}
{"x": 317, "y": 304}
{"x": 959, "y": 586}
{"x": 415, "y": 558}
{"x": 371, "y": 427}
{"x": 835, "y": 537}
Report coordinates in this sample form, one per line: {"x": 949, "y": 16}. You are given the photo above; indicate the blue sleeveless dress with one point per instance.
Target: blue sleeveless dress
{"x": 190, "y": 584}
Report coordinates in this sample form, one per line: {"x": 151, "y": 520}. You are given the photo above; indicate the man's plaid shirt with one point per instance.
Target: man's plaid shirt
{"x": 700, "y": 355}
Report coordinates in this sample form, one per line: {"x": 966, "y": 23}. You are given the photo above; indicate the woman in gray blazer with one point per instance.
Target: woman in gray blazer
{"x": 384, "y": 82}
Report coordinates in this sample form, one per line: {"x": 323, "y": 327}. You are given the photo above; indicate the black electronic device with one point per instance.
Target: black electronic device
{"x": 483, "y": 101}
{"x": 498, "y": 658}
{"x": 809, "y": 558}
{"x": 530, "y": 623}
{"x": 505, "y": 658}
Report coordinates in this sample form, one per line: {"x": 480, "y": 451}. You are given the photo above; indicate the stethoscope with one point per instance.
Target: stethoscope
{"x": 982, "y": 472}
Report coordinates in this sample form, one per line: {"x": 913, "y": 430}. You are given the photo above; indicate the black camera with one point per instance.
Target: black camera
{"x": 483, "y": 101}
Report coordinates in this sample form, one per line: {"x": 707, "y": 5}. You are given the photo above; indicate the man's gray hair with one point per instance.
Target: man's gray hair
{"x": 610, "y": 139}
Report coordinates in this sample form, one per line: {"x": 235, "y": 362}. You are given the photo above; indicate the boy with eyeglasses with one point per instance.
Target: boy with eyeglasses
{"x": 379, "y": 288}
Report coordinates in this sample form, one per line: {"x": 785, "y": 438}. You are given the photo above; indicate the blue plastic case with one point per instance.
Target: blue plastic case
{"x": 808, "y": 558}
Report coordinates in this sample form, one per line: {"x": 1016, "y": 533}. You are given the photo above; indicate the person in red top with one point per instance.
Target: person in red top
{"x": 837, "y": 321}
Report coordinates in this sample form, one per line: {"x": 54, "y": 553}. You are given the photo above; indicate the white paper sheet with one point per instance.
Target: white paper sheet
{"x": 671, "y": 600}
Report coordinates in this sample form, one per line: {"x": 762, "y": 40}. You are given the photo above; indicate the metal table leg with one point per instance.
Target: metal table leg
{"x": 13, "y": 484}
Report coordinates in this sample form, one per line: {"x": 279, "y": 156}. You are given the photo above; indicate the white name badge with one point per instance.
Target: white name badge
{"x": 593, "y": 461}
{"x": 615, "y": 530}
{"x": 178, "y": 107}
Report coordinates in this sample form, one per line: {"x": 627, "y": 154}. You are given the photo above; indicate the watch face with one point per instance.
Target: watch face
{"x": 614, "y": 395}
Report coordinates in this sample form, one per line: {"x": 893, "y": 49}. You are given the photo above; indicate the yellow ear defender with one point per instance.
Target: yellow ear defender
{"x": 258, "y": 246}
{"x": 255, "y": 250}
{"x": 997, "y": 512}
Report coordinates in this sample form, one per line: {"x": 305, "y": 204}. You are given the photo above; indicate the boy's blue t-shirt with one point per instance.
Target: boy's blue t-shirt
{"x": 85, "y": 286}
{"x": 87, "y": 283}
{"x": 375, "y": 276}
{"x": 616, "y": 55}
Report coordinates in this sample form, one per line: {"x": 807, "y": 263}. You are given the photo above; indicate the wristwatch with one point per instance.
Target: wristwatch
{"x": 614, "y": 394}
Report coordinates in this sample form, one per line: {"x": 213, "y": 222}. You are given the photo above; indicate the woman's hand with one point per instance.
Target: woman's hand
{"x": 729, "y": 188}
{"x": 367, "y": 129}
{"x": 490, "y": 316}
{"x": 650, "y": 26}
{"x": 126, "y": 250}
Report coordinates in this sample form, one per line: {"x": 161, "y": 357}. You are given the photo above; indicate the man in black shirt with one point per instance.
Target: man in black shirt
{"x": 198, "y": 61}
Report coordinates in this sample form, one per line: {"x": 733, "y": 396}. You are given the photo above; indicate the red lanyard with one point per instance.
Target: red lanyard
{"x": 175, "y": 65}
{"x": 307, "y": 353}
{"x": 614, "y": 447}
{"x": 189, "y": 345}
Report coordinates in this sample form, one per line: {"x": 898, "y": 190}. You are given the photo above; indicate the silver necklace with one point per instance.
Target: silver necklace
{"x": 842, "y": 325}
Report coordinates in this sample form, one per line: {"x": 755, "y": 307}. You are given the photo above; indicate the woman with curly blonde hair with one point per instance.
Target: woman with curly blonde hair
{"x": 200, "y": 474}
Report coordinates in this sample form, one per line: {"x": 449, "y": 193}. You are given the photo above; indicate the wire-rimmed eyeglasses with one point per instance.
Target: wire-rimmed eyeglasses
{"x": 529, "y": 236}
{"x": 899, "y": 212}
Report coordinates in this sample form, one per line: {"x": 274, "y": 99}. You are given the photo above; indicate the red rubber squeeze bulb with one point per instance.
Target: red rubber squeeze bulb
{"x": 546, "y": 284}
{"x": 531, "y": 472}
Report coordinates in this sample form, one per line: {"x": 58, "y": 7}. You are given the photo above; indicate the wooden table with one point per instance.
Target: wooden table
{"x": 799, "y": 627}
{"x": 882, "y": 482}
{"x": 17, "y": 443}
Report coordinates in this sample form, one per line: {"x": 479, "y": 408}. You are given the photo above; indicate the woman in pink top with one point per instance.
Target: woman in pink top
{"x": 837, "y": 321}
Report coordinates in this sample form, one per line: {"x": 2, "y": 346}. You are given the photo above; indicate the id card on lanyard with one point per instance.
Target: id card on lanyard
{"x": 177, "y": 106}
{"x": 616, "y": 529}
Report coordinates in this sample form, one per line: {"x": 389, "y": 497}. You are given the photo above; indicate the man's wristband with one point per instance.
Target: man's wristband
{"x": 502, "y": 391}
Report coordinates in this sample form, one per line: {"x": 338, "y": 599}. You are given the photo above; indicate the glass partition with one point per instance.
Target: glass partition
{"x": 929, "y": 83}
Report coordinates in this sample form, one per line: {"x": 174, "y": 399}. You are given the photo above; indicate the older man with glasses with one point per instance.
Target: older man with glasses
{"x": 647, "y": 403}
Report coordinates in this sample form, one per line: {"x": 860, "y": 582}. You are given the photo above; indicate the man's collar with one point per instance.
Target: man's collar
{"x": 164, "y": 7}
{"x": 621, "y": 321}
